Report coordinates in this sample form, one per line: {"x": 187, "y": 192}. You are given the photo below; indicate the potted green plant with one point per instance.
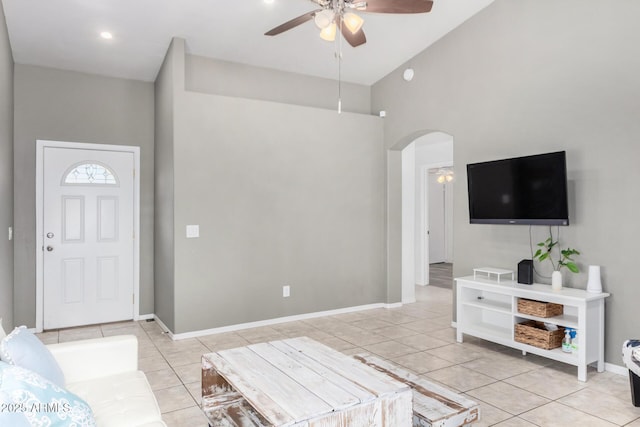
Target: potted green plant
{"x": 565, "y": 260}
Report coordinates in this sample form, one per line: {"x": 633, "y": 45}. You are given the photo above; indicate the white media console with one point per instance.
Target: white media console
{"x": 488, "y": 309}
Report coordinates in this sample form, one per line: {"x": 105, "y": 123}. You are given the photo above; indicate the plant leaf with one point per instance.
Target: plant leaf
{"x": 572, "y": 266}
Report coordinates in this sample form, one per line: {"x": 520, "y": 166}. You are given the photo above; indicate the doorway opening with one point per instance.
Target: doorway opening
{"x": 427, "y": 212}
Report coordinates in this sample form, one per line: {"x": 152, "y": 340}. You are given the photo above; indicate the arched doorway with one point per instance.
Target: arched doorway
{"x": 407, "y": 161}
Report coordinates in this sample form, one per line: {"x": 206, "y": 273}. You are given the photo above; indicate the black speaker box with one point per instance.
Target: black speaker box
{"x": 525, "y": 271}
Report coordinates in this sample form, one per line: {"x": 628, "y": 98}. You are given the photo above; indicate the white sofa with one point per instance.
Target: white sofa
{"x": 104, "y": 372}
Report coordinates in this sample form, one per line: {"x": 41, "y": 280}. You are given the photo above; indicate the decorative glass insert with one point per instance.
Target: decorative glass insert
{"x": 90, "y": 173}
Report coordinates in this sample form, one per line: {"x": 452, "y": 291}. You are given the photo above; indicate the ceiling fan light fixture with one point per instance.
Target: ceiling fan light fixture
{"x": 361, "y": 5}
{"x": 353, "y": 22}
{"x": 324, "y": 18}
{"x": 329, "y": 33}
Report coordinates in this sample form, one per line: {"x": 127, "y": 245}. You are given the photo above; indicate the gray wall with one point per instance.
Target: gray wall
{"x": 6, "y": 175}
{"x": 521, "y": 79}
{"x": 213, "y": 76}
{"x": 283, "y": 195}
{"x": 68, "y": 106}
{"x": 167, "y": 82}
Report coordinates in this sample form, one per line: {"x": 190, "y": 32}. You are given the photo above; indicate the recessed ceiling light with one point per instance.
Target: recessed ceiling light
{"x": 106, "y": 35}
{"x": 268, "y": 1}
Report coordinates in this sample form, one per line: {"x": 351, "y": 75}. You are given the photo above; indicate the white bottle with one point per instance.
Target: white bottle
{"x": 566, "y": 341}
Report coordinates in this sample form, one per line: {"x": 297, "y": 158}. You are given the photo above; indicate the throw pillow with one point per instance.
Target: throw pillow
{"x": 29, "y": 399}
{"x": 24, "y": 349}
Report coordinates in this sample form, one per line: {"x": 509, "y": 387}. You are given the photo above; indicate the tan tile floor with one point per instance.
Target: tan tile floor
{"x": 513, "y": 390}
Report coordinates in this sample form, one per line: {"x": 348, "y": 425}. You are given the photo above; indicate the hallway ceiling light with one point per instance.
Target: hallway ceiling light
{"x": 444, "y": 175}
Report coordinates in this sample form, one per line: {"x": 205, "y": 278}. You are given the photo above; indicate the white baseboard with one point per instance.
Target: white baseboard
{"x": 145, "y": 317}
{"x": 269, "y": 322}
{"x": 616, "y": 369}
{"x": 394, "y": 305}
{"x": 163, "y": 327}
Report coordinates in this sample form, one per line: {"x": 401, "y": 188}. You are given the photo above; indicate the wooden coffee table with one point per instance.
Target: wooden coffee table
{"x": 299, "y": 382}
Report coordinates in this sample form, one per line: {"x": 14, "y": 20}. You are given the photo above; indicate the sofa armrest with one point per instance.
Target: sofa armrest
{"x": 96, "y": 358}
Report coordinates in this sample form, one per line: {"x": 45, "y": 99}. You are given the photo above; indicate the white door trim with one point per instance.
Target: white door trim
{"x": 423, "y": 237}
{"x": 40, "y": 146}
{"x": 408, "y": 278}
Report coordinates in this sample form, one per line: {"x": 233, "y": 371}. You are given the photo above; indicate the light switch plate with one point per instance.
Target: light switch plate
{"x": 193, "y": 231}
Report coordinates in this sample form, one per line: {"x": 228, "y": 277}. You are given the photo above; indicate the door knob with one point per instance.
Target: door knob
{"x": 49, "y": 248}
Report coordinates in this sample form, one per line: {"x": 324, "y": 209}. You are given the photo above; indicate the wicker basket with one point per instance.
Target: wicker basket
{"x": 539, "y": 308}
{"x": 534, "y": 333}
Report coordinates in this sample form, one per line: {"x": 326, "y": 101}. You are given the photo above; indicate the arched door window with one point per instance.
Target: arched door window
{"x": 89, "y": 173}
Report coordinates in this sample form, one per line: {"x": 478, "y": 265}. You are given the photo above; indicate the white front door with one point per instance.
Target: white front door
{"x": 88, "y": 236}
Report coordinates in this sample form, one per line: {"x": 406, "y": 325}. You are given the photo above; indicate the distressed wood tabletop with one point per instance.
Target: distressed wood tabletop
{"x": 299, "y": 382}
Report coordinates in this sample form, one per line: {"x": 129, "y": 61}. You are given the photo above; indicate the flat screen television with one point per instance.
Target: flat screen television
{"x": 523, "y": 190}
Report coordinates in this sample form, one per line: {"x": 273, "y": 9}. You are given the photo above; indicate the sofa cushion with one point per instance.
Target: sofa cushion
{"x": 24, "y": 349}
{"x": 2, "y": 332}
{"x": 13, "y": 419}
{"x": 119, "y": 400}
{"x": 38, "y": 401}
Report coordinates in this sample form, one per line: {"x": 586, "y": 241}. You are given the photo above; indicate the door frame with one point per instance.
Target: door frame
{"x": 423, "y": 220}
{"x": 40, "y": 146}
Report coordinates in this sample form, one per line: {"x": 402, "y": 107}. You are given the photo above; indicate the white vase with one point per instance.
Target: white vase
{"x": 594, "y": 284}
{"x": 556, "y": 280}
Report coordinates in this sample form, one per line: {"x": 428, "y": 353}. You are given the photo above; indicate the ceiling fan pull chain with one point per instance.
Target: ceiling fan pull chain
{"x": 339, "y": 55}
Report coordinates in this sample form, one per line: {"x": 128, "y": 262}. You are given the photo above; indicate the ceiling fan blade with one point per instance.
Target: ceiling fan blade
{"x": 398, "y": 6}
{"x": 354, "y": 40}
{"x": 293, "y": 23}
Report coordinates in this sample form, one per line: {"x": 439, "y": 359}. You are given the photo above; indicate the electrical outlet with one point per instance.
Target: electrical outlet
{"x": 286, "y": 291}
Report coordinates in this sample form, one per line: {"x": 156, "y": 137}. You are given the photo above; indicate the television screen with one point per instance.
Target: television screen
{"x": 522, "y": 190}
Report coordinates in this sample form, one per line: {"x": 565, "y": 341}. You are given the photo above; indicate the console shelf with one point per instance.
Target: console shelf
{"x": 488, "y": 309}
{"x": 490, "y": 305}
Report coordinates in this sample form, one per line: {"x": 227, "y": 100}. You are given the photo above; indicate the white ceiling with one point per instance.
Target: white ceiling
{"x": 65, "y": 34}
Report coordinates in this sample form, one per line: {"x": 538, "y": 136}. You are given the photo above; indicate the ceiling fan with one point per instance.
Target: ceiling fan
{"x": 339, "y": 14}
